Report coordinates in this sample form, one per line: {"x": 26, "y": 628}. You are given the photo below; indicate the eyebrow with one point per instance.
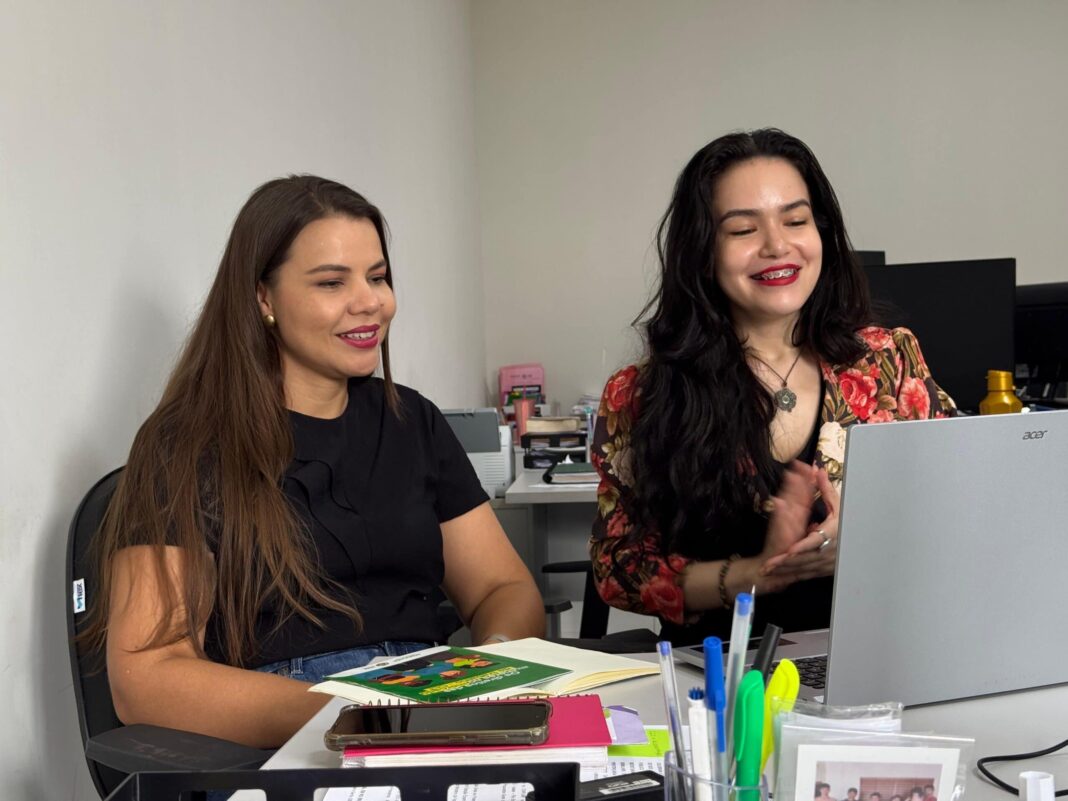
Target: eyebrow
{"x": 341, "y": 268}
{"x": 755, "y": 212}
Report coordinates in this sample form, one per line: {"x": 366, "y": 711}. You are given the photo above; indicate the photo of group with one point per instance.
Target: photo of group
{"x": 875, "y": 773}
{"x": 886, "y": 788}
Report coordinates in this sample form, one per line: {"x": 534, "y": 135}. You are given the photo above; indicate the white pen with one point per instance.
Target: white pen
{"x": 671, "y": 703}
{"x": 700, "y": 751}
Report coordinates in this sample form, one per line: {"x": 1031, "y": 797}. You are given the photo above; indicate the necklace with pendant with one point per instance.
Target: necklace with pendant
{"x": 784, "y": 397}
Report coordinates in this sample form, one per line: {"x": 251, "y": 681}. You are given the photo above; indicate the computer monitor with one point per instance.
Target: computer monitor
{"x": 962, "y": 312}
{"x": 1042, "y": 341}
{"x": 867, "y": 258}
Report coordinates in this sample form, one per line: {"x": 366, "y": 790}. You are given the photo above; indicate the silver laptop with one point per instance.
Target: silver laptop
{"x": 952, "y": 561}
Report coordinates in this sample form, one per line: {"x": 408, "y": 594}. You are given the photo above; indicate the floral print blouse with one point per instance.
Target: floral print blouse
{"x": 890, "y": 382}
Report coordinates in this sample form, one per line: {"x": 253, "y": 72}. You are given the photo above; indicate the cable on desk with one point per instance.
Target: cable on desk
{"x": 982, "y": 763}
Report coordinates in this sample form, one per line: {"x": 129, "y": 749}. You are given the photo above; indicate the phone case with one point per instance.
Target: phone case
{"x": 535, "y": 735}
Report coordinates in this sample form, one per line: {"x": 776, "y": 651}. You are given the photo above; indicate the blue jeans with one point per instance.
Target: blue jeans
{"x": 314, "y": 669}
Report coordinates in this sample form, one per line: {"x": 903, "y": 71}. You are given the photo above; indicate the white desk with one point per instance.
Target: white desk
{"x": 1011, "y": 723}
{"x": 529, "y": 487}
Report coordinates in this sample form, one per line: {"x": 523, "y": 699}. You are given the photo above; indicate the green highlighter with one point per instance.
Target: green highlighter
{"x": 749, "y": 734}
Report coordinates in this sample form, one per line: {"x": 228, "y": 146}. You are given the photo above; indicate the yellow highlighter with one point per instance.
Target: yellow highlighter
{"x": 778, "y": 697}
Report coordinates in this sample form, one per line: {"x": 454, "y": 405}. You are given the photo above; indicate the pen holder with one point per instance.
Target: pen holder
{"x": 680, "y": 785}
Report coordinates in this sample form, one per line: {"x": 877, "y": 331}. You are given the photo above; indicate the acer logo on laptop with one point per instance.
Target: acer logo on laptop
{"x": 1034, "y": 434}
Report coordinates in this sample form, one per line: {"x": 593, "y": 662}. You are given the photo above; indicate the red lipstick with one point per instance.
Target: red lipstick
{"x": 364, "y": 337}
{"x": 779, "y": 275}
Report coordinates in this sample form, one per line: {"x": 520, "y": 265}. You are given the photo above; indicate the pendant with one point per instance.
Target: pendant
{"x": 785, "y": 399}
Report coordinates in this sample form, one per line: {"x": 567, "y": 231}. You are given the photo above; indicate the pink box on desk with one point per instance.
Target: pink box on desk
{"x": 519, "y": 375}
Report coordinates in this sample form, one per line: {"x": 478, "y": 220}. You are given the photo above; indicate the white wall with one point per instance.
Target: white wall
{"x": 130, "y": 134}
{"x": 941, "y": 126}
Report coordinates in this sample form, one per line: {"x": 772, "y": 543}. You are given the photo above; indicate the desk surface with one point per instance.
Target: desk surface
{"x": 529, "y": 487}
{"x": 1004, "y": 724}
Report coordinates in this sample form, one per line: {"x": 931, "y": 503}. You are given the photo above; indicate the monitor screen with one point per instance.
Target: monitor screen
{"x": 962, "y": 312}
{"x": 1042, "y": 341}
{"x": 867, "y": 258}
{"x": 1042, "y": 323}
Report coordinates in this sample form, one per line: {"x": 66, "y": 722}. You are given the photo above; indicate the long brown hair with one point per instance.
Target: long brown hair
{"x": 207, "y": 465}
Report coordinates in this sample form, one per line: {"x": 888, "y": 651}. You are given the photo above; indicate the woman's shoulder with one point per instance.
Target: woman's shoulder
{"x": 374, "y": 387}
{"x": 620, "y": 391}
{"x": 876, "y": 338}
{"x": 415, "y": 406}
{"x": 409, "y": 397}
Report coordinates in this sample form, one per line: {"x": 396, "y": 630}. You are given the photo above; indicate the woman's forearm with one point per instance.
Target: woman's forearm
{"x": 180, "y": 692}
{"x": 701, "y": 582}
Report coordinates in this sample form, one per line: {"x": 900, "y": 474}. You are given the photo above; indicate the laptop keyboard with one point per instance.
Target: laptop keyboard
{"x": 813, "y": 671}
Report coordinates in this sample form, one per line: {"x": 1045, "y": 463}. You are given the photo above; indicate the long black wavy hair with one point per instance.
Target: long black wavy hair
{"x": 701, "y": 438}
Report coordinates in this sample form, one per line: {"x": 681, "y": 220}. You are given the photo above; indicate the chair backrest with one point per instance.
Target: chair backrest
{"x": 593, "y": 624}
{"x": 92, "y": 693}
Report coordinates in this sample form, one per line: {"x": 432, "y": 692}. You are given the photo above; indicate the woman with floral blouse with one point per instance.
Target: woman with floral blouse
{"x": 720, "y": 453}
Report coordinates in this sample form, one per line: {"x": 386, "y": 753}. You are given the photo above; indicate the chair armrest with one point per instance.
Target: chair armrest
{"x": 581, "y": 566}
{"x": 554, "y": 606}
{"x": 446, "y": 611}
{"x": 139, "y": 747}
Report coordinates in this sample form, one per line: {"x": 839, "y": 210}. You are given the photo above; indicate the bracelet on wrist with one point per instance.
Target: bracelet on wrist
{"x": 724, "y": 598}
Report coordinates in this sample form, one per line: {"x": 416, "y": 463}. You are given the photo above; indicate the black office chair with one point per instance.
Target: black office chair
{"x": 113, "y": 750}
{"x": 593, "y": 624}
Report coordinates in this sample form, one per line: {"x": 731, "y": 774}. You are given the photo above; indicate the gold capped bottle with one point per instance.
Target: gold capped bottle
{"x": 1000, "y": 394}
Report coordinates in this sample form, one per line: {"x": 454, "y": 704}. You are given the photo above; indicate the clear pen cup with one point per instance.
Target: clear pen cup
{"x": 680, "y": 785}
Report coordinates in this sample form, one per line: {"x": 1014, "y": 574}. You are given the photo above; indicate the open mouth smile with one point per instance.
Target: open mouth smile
{"x": 778, "y": 276}
{"x": 364, "y": 336}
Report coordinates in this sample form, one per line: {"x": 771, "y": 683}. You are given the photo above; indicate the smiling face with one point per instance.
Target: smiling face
{"x": 767, "y": 250}
{"x": 331, "y": 304}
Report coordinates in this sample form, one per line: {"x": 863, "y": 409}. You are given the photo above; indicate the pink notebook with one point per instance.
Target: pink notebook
{"x": 576, "y": 721}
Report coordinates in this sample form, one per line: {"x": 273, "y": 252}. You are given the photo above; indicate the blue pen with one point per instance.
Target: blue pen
{"x": 716, "y": 703}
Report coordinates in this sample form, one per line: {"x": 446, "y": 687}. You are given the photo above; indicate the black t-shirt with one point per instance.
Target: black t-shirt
{"x": 801, "y": 606}
{"x": 373, "y": 491}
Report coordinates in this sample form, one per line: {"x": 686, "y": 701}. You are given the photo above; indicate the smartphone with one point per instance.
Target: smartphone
{"x": 473, "y": 723}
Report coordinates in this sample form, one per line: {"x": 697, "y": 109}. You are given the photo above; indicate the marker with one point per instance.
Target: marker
{"x": 743, "y": 619}
{"x": 749, "y": 735}
{"x": 671, "y": 703}
{"x": 778, "y": 697}
{"x": 765, "y": 654}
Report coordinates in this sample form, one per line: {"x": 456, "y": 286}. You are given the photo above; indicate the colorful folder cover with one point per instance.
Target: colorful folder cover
{"x": 451, "y": 674}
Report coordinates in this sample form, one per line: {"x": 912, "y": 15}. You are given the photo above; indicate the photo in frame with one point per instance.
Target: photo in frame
{"x": 876, "y": 772}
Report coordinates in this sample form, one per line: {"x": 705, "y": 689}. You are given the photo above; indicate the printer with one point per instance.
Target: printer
{"x": 488, "y": 445}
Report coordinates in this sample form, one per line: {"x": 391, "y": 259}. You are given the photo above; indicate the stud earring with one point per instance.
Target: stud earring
{"x": 269, "y": 321}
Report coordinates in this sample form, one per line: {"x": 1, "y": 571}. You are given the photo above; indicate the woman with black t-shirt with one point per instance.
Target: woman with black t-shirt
{"x": 284, "y": 514}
